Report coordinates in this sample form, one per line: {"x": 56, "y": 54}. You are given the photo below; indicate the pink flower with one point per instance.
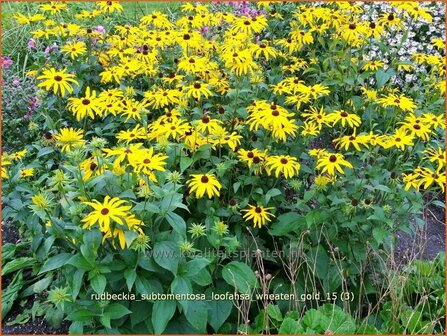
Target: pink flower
{"x": 100, "y": 30}
{"x": 6, "y": 62}
{"x": 32, "y": 44}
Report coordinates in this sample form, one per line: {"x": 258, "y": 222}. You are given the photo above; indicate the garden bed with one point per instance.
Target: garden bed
{"x": 224, "y": 167}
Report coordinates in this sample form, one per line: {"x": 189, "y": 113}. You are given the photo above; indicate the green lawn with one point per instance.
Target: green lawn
{"x": 14, "y": 36}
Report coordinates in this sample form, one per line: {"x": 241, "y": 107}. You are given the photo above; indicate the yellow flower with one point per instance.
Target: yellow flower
{"x": 427, "y": 177}
{"x": 433, "y": 120}
{"x": 347, "y": 141}
{"x": 137, "y": 133}
{"x": 258, "y": 214}
{"x": 344, "y": 118}
{"x": 157, "y": 19}
{"x": 399, "y": 139}
{"x": 437, "y": 155}
{"x": 67, "y": 138}
{"x": 263, "y": 49}
{"x": 371, "y": 95}
{"x": 111, "y": 209}
{"x": 109, "y": 6}
{"x": 318, "y": 152}
{"x": 89, "y": 105}
{"x": 248, "y": 25}
{"x": 438, "y": 43}
{"x": 58, "y": 80}
{"x": 310, "y": 128}
{"x": 162, "y": 97}
{"x": 197, "y": 90}
{"x": 373, "y": 65}
{"x": 18, "y": 155}
{"x": 331, "y": 162}
{"x": 91, "y": 167}
{"x": 417, "y": 127}
{"x": 74, "y": 49}
{"x": 404, "y": 103}
{"x": 322, "y": 180}
{"x": 204, "y": 183}
{"x": 252, "y": 157}
{"x": 284, "y": 164}
{"x": 240, "y": 62}
{"x": 53, "y": 7}
{"x": 206, "y": 124}
{"x": 146, "y": 162}
{"x": 27, "y": 172}
{"x": 404, "y": 67}
{"x": 318, "y": 117}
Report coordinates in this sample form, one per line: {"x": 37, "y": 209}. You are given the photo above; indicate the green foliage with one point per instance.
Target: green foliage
{"x": 160, "y": 258}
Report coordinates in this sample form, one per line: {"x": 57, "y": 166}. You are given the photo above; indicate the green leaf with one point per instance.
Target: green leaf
{"x": 128, "y": 194}
{"x": 54, "y": 317}
{"x": 80, "y": 262}
{"x": 105, "y": 321}
{"x": 44, "y": 151}
{"x": 319, "y": 260}
{"x": 88, "y": 254}
{"x": 382, "y": 77}
{"x": 219, "y": 310}
{"x": 185, "y": 162}
{"x": 162, "y": 313}
{"x": 77, "y": 282}
{"x": 182, "y": 285}
{"x": 274, "y": 312}
{"x": 130, "y": 236}
{"x": 142, "y": 285}
{"x": 16, "y": 264}
{"x": 10, "y": 293}
{"x": 240, "y": 276}
{"x": 290, "y": 327}
{"x": 312, "y": 319}
{"x": 177, "y": 223}
{"x": 81, "y": 315}
{"x": 42, "y": 284}
{"x": 116, "y": 311}
{"x": 195, "y": 266}
{"x": 130, "y": 275}
{"x": 98, "y": 283}
{"x": 272, "y": 193}
{"x": 379, "y": 234}
{"x": 76, "y": 328}
{"x": 55, "y": 262}
{"x": 197, "y": 315}
{"x": 167, "y": 255}
{"x": 286, "y": 223}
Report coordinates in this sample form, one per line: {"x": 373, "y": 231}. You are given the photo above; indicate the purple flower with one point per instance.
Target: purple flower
{"x": 16, "y": 81}
{"x": 50, "y": 49}
{"x": 204, "y": 30}
{"x": 6, "y": 62}
{"x": 100, "y": 30}
{"x": 32, "y": 44}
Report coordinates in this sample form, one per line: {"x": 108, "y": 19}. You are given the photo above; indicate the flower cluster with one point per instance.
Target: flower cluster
{"x": 225, "y": 126}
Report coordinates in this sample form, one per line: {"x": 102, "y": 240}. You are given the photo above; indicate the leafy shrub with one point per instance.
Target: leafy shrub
{"x": 208, "y": 152}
